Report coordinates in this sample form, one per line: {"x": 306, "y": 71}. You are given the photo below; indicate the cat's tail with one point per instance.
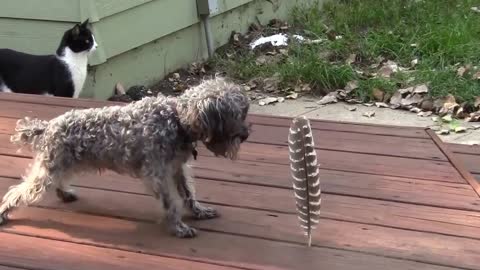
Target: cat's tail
{"x": 28, "y": 131}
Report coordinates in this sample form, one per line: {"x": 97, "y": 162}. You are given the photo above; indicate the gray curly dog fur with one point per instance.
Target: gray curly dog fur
{"x": 151, "y": 139}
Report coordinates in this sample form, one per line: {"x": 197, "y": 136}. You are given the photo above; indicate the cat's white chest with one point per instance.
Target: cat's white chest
{"x": 77, "y": 66}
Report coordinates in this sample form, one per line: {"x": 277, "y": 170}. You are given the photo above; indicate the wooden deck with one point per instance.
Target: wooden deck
{"x": 394, "y": 198}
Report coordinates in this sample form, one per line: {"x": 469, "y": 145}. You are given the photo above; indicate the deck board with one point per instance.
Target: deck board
{"x": 393, "y": 199}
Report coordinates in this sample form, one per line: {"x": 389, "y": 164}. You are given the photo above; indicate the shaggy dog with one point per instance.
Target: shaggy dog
{"x": 152, "y": 139}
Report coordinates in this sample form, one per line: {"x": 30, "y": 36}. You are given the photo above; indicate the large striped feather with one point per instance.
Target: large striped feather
{"x": 305, "y": 175}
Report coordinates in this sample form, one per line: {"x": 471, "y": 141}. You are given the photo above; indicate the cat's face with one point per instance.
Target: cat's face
{"x": 80, "y": 39}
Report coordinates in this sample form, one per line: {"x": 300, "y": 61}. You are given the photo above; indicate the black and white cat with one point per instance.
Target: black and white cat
{"x": 62, "y": 74}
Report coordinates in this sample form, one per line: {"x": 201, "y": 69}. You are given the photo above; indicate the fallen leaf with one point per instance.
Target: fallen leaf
{"x": 369, "y": 114}
{"x": 443, "y": 132}
{"x": 330, "y": 98}
{"x": 459, "y": 129}
{"x": 396, "y": 99}
{"x": 271, "y": 84}
{"x": 406, "y": 90}
{"x": 281, "y": 99}
{"x": 381, "y": 105}
{"x": 351, "y": 59}
{"x": 292, "y": 96}
{"x": 415, "y": 110}
{"x": 412, "y": 99}
{"x": 267, "y": 101}
{"x": 353, "y": 100}
{"x": 414, "y": 62}
{"x": 385, "y": 72}
{"x": 368, "y": 104}
{"x": 477, "y": 102}
{"x": 378, "y": 94}
{"x": 425, "y": 114}
{"x": 352, "y": 109}
{"x": 447, "y": 118}
{"x": 351, "y": 85}
{"x": 261, "y": 60}
{"x": 420, "y": 89}
{"x": 449, "y": 105}
{"x": 476, "y": 76}
{"x": 461, "y": 71}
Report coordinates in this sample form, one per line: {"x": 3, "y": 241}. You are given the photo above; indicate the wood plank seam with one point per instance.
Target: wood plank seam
{"x": 291, "y": 213}
{"x": 301, "y": 244}
{"x": 164, "y": 255}
{"x": 459, "y": 166}
{"x": 356, "y": 152}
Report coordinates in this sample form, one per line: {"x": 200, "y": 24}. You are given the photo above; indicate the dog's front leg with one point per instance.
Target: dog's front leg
{"x": 165, "y": 189}
{"x": 186, "y": 188}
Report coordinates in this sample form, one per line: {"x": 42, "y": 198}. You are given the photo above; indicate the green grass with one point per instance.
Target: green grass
{"x": 442, "y": 35}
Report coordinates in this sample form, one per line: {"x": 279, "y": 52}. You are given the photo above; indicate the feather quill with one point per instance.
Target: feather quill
{"x": 305, "y": 175}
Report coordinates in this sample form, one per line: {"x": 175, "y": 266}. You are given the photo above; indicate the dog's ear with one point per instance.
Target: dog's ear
{"x": 211, "y": 116}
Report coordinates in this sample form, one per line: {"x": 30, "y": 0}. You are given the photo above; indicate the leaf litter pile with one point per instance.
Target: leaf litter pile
{"x": 413, "y": 55}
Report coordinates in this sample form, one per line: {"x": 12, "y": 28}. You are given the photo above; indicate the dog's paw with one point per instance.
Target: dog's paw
{"x": 3, "y": 219}
{"x": 203, "y": 212}
{"x": 66, "y": 196}
{"x": 182, "y": 230}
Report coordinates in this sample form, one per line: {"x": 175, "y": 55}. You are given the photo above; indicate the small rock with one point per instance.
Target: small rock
{"x": 369, "y": 114}
{"x": 176, "y": 76}
{"x": 427, "y": 104}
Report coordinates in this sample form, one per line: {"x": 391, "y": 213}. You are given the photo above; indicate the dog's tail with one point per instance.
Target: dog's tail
{"x": 28, "y": 131}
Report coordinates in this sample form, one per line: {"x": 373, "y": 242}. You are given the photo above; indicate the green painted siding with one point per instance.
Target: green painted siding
{"x": 139, "y": 40}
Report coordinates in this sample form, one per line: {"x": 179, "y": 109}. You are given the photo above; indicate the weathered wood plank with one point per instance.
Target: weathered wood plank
{"x": 443, "y": 194}
{"x": 253, "y": 118}
{"x": 403, "y": 244}
{"x": 251, "y": 253}
{"x": 36, "y": 253}
{"x": 343, "y": 126}
{"x": 463, "y": 148}
{"x": 326, "y": 140}
{"x": 270, "y": 201}
{"x": 354, "y": 142}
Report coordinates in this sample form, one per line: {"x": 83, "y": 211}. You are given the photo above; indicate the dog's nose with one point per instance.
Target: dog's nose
{"x": 244, "y": 136}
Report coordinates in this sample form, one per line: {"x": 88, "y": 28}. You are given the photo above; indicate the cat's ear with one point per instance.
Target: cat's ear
{"x": 76, "y": 30}
{"x": 85, "y": 23}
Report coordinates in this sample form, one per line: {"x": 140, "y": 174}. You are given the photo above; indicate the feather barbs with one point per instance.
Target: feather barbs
{"x": 305, "y": 174}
